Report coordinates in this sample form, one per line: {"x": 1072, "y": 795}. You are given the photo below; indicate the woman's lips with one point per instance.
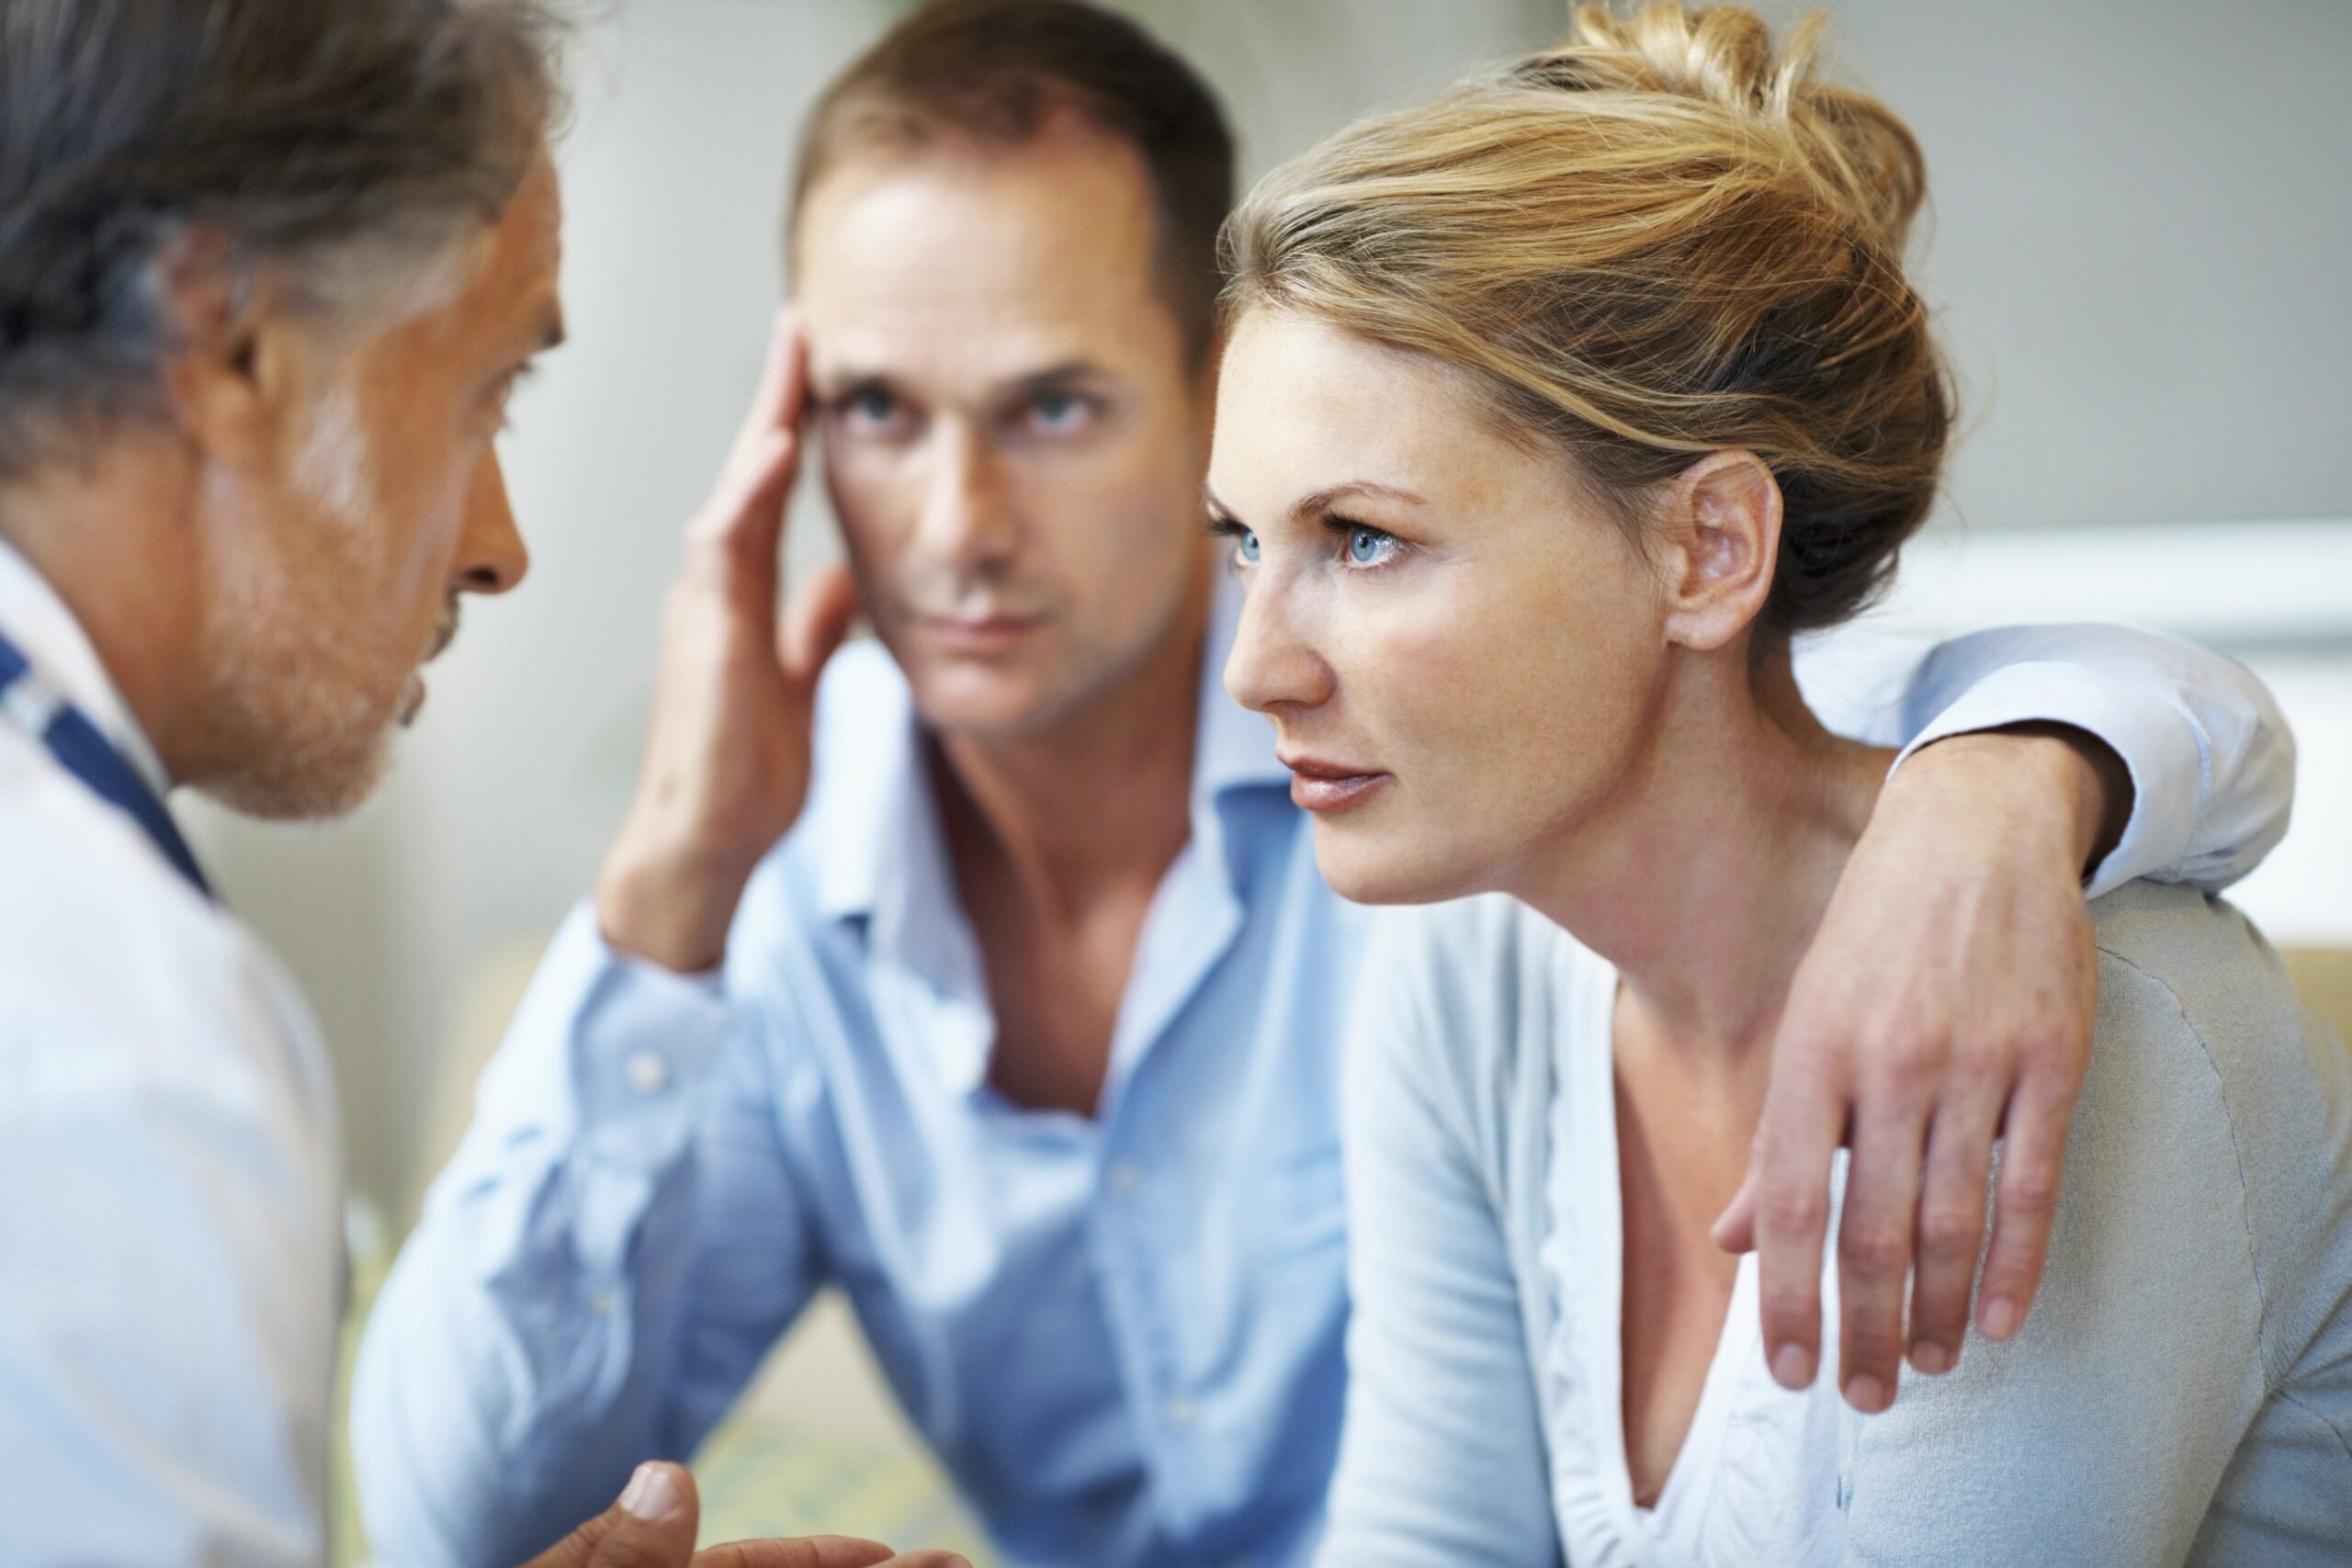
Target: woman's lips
{"x": 1330, "y": 786}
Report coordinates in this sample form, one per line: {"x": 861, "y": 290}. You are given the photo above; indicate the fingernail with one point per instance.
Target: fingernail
{"x": 1792, "y": 1368}
{"x": 2000, "y": 1318}
{"x": 1866, "y": 1393}
{"x": 1930, "y": 1359}
{"x": 652, "y": 1494}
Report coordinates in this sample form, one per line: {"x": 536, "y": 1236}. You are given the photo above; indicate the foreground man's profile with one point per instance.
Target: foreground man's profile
{"x": 268, "y": 271}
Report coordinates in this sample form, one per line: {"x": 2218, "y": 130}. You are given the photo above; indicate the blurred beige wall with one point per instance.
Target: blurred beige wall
{"x": 2141, "y": 213}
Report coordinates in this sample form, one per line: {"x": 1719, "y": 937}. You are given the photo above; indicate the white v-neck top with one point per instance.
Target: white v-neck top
{"x": 2182, "y": 1393}
{"x": 1756, "y": 1478}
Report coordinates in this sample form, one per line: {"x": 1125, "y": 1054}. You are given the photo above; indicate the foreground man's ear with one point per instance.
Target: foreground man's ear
{"x": 233, "y": 356}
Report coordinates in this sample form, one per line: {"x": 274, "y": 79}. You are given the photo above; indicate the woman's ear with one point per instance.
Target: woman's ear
{"x": 1719, "y": 534}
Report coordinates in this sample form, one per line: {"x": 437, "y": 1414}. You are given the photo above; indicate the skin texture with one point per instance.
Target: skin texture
{"x": 1013, "y": 438}
{"x": 300, "y": 532}
{"x": 1553, "y": 712}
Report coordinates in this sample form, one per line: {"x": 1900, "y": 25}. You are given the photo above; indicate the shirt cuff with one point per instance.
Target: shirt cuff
{"x": 2158, "y": 745}
{"x": 632, "y": 1041}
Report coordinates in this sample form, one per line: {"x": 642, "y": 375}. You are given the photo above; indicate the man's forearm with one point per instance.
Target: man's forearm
{"x": 2080, "y": 777}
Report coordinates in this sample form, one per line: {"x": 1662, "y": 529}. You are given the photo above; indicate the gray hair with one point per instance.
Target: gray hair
{"x": 352, "y": 144}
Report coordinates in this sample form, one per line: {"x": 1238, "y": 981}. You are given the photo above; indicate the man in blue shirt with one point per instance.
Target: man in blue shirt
{"x": 988, "y": 978}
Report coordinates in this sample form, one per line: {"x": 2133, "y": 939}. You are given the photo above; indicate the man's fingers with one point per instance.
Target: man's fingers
{"x": 1951, "y": 1230}
{"x": 819, "y": 1552}
{"x": 817, "y": 622}
{"x": 1874, "y": 1236}
{"x": 652, "y": 1525}
{"x": 1804, "y": 1118}
{"x": 1734, "y": 1228}
{"x": 776, "y": 405}
{"x": 2025, "y": 1201}
{"x": 746, "y": 506}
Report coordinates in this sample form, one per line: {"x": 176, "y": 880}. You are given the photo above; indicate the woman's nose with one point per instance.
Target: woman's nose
{"x": 1273, "y": 666}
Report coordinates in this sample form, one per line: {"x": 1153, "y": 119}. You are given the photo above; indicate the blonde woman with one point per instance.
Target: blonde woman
{"x": 1551, "y": 412}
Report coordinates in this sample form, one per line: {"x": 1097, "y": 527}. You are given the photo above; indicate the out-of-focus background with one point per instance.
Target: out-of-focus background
{"x": 2142, "y": 216}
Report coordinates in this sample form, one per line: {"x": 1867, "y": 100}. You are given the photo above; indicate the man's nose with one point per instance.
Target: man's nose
{"x": 1273, "y": 667}
{"x": 966, "y": 516}
{"x": 491, "y": 557}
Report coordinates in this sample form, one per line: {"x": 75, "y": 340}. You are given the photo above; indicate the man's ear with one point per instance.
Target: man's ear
{"x": 231, "y": 352}
{"x": 1719, "y": 538}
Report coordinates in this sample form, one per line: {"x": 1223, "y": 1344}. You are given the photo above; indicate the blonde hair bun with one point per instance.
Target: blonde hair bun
{"x": 1666, "y": 236}
{"x": 1726, "y": 56}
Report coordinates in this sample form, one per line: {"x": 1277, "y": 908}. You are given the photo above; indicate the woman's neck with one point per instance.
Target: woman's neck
{"x": 1704, "y": 877}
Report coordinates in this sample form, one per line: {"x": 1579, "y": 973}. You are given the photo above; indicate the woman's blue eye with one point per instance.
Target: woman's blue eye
{"x": 874, "y": 407}
{"x": 1369, "y": 547}
{"x": 1245, "y": 547}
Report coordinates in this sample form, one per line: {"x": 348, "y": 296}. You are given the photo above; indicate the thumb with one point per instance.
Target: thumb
{"x": 817, "y": 622}
{"x": 652, "y": 1525}
{"x": 1734, "y": 1228}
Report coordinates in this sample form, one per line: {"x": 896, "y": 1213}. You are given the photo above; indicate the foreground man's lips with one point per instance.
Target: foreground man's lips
{"x": 413, "y": 703}
{"x": 1318, "y": 785}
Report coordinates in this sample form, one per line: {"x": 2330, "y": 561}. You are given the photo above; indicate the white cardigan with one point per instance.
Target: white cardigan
{"x": 2182, "y": 1391}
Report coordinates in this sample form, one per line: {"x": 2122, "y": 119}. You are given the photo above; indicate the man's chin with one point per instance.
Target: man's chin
{"x": 981, "y": 701}
{"x": 303, "y": 785}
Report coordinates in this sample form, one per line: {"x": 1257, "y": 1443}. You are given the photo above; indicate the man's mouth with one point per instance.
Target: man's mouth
{"x": 994, "y": 632}
{"x": 412, "y": 700}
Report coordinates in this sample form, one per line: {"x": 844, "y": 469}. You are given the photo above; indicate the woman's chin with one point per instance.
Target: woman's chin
{"x": 1367, "y": 868}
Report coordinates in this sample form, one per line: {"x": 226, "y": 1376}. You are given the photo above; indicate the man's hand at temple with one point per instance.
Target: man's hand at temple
{"x": 726, "y": 768}
{"x": 653, "y": 1523}
{"x": 1977, "y": 1028}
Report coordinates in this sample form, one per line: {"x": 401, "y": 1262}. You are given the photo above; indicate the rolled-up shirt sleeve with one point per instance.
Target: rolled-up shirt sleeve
{"x": 2211, "y": 758}
{"x": 543, "y": 1330}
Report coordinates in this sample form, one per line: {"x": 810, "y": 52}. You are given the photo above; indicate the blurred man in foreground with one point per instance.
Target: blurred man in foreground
{"x": 268, "y": 271}
{"x": 990, "y": 979}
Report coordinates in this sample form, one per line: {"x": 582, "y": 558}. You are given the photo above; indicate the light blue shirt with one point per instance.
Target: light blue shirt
{"x": 1123, "y": 1335}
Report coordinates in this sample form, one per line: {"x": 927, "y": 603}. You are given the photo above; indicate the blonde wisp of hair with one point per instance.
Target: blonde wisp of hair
{"x": 1664, "y": 237}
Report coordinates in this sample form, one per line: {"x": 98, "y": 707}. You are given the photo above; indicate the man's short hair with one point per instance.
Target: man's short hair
{"x": 351, "y": 142}
{"x": 995, "y": 71}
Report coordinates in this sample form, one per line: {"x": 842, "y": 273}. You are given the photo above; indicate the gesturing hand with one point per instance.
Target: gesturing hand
{"x": 653, "y": 1526}
{"x": 727, "y": 758}
{"x": 1947, "y": 1001}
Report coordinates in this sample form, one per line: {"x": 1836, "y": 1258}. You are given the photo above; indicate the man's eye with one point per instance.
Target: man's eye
{"x": 1369, "y": 547}
{"x": 1058, "y": 414}
{"x": 871, "y": 406}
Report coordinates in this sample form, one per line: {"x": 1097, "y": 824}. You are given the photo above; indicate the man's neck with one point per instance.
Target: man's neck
{"x": 1100, "y": 800}
{"x": 108, "y": 538}
{"x": 1703, "y": 878}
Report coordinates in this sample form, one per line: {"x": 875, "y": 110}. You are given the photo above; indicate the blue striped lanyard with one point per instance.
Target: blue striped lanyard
{"x": 80, "y": 749}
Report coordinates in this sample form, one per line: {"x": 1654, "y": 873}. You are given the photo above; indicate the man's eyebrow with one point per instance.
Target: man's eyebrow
{"x": 1059, "y": 375}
